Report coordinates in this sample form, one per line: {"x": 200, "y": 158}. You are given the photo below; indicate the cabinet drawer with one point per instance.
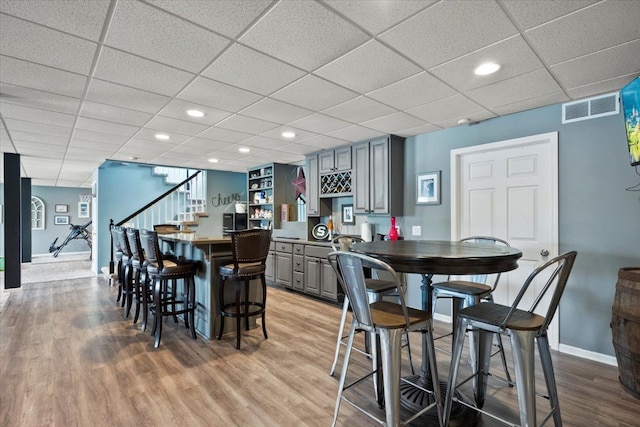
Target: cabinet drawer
{"x": 272, "y": 246}
{"x": 298, "y": 249}
{"x": 317, "y": 251}
{"x": 298, "y": 280}
{"x": 298, "y": 263}
{"x": 284, "y": 247}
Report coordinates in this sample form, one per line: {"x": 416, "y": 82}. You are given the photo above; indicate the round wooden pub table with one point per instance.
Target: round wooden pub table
{"x": 429, "y": 257}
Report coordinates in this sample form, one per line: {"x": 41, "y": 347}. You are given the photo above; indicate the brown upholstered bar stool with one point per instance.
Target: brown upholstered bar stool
{"x": 140, "y": 279}
{"x": 127, "y": 268}
{"x": 250, "y": 250}
{"x": 164, "y": 273}
{"x": 119, "y": 267}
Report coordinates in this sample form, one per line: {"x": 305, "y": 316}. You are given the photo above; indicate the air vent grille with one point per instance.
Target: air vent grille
{"x": 591, "y": 108}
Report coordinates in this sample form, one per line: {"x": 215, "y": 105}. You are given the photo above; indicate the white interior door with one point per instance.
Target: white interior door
{"x": 509, "y": 189}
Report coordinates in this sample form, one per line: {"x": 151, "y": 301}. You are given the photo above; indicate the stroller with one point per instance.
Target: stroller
{"x": 77, "y": 232}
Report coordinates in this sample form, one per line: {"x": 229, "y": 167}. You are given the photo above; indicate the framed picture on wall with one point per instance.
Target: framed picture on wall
{"x": 428, "y": 188}
{"x": 83, "y": 209}
{"x": 347, "y": 215}
{"x": 61, "y": 219}
{"x": 62, "y": 208}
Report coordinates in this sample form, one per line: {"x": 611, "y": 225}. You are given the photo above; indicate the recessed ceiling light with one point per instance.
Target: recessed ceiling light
{"x": 162, "y": 136}
{"x": 288, "y": 134}
{"x": 464, "y": 121}
{"x": 486, "y": 69}
{"x": 243, "y": 150}
{"x": 195, "y": 113}
{"x": 213, "y": 160}
{"x": 133, "y": 158}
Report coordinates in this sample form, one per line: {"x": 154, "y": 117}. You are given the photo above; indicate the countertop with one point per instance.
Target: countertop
{"x": 302, "y": 241}
{"x": 194, "y": 238}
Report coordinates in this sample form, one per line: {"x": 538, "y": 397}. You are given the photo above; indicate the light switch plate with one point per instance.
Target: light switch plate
{"x": 416, "y": 230}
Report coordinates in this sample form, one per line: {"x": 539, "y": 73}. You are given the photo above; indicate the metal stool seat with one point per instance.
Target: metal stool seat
{"x": 524, "y": 327}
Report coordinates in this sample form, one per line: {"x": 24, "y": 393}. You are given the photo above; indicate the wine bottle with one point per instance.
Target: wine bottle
{"x": 393, "y": 231}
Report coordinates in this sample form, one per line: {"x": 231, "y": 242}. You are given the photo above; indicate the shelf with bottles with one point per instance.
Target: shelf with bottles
{"x": 260, "y": 197}
{"x": 259, "y": 213}
{"x": 261, "y": 178}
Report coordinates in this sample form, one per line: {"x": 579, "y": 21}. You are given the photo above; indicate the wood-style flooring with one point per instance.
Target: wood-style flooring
{"x": 69, "y": 358}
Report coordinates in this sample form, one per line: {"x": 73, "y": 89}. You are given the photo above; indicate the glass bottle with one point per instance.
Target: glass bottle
{"x": 330, "y": 227}
{"x": 393, "y": 231}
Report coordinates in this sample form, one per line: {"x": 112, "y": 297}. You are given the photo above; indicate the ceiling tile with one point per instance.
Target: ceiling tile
{"x": 417, "y": 130}
{"x": 259, "y": 141}
{"x": 152, "y": 33}
{"x": 80, "y": 153}
{"x": 39, "y": 149}
{"x": 38, "y": 99}
{"x": 446, "y": 108}
{"x": 355, "y": 133}
{"x": 100, "y": 137}
{"x": 304, "y": 34}
{"x": 526, "y": 86}
{"x": 358, "y": 110}
{"x": 375, "y": 16}
{"x": 475, "y": 117}
{"x": 393, "y": 122}
{"x": 514, "y": 56}
{"x": 149, "y": 135}
{"x": 243, "y": 67}
{"x": 314, "y": 93}
{"x": 598, "y": 66}
{"x": 192, "y": 150}
{"x": 40, "y": 128}
{"x": 43, "y": 168}
{"x": 412, "y": 91}
{"x": 275, "y": 111}
{"x": 229, "y": 19}
{"x": 202, "y": 143}
{"x": 293, "y": 148}
{"x": 225, "y": 135}
{"x": 118, "y": 95}
{"x": 324, "y": 141}
{"x": 529, "y": 104}
{"x": 167, "y": 124}
{"x": 604, "y": 86}
{"x": 52, "y": 140}
{"x": 218, "y": 95}
{"x": 84, "y": 18}
{"x": 94, "y": 145}
{"x": 450, "y": 29}
{"x": 368, "y": 67}
{"x": 41, "y": 45}
{"x": 276, "y": 133}
{"x": 319, "y": 123}
{"x": 36, "y": 115}
{"x": 529, "y": 13}
{"x": 597, "y": 27}
{"x": 177, "y": 109}
{"x": 140, "y": 73}
{"x": 21, "y": 73}
{"x": 114, "y": 114}
{"x": 242, "y": 123}
{"x": 95, "y": 125}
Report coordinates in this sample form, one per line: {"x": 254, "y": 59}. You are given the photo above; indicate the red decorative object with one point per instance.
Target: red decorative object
{"x": 299, "y": 184}
{"x": 393, "y": 231}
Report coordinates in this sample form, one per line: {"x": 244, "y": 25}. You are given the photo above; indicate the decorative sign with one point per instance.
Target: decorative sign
{"x": 219, "y": 200}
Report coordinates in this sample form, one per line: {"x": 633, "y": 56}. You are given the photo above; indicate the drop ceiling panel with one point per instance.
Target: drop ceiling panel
{"x": 375, "y": 16}
{"x": 150, "y": 136}
{"x": 202, "y": 143}
{"x": 276, "y": 133}
{"x": 531, "y": 13}
{"x": 477, "y": 116}
{"x": 358, "y": 110}
{"x": 218, "y": 95}
{"x": 514, "y": 56}
{"x": 528, "y": 104}
{"x": 39, "y": 149}
{"x": 394, "y": 122}
{"x": 38, "y": 99}
{"x": 417, "y": 130}
{"x": 243, "y": 67}
{"x": 324, "y": 141}
{"x": 20, "y": 112}
{"x": 154, "y": 34}
{"x": 293, "y": 148}
{"x": 167, "y": 124}
{"x": 130, "y": 70}
{"x": 448, "y": 30}
{"x": 591, "y": 29}
{"x": 191, "y": 150}
{"x": 319, "y": 123}
{"x": 114, "y": 114}
{"x": 34, "y": 76}
{"x": 412, "y": 91}
{"x": 99, "y": 137}
{"x": 263, "y": 142}
{"x": 242, "y": 123}
{"x": 37, "y": 128}
{"x": 226, "y": 135}
{"x": 447, "y": 108}
{"x": 93, "y": 145}
{"x": 304, "y": 34}
{"x": 275, "y": 111}
{"x": 61, "y": 141}
{"x": 118, "y": 95}
{"x": 78, "y": 153}
{"x": 95, "y": 125}
{"x": 314, "y": 93}
{"x": 600, "y": 87}
{"x": 41, "y": 45}
{"x": 367, "y": 68}
{"x": 178, "y": 108}
{"x": 355, "y": 133}
{"x": 43, "y": 168}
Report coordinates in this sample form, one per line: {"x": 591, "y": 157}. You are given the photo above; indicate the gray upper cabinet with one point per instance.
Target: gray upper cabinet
{"x": 313, "y": 196}
{"x": 337, "y": 160}
{"x": 378, "y": 176}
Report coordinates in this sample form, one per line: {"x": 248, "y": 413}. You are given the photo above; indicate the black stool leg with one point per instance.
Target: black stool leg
{"x": 138, "y": 295}
{"x": 174, "y": 295}
{"x": 238, "y": 314}
{"x": 246, "y": 304}
{"x": 192, "y": 306}
{"x": 264, "y": 306}
{"x": 145, "y": 301}
{"x": 221, "y": 299}
{"x": 157, "y": 297}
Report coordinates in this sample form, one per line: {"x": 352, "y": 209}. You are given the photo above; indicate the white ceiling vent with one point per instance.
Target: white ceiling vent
{"x": 591, "y": 108}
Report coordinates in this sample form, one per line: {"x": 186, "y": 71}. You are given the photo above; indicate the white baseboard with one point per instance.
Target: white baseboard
{"x": 586, "y": 354}
{"x": 65, "y": 253}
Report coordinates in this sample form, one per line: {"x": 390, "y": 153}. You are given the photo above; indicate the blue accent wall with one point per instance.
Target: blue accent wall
{"x": 597, "y": 217}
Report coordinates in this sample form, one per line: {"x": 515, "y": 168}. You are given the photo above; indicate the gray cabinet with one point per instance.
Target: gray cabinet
{"x": 319, "y": 275}
{"x": 284, "y": 264}
{"x": 337, "y": 160}
{"x": 328, "y": 280}
{"x": 315, "y": 206}
{"x": 378, "y": 176}
{"x": 270, "y": 266}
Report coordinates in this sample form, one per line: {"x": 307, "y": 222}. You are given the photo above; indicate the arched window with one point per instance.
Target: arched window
{"x": 37, "y": 213}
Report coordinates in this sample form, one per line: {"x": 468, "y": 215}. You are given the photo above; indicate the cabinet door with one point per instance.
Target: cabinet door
{"x": 284, "y": 269}
{"x": 360, "y": 178}
{"x": 328, "y": 281}
{"x": 379, "y": 176}
{"x": 313, "y": 187}
{"x": 270, "y": 271}
{"x": 342, "y": 159}
{"x": 312, "y": 275}
{"x": 326, "y": 162}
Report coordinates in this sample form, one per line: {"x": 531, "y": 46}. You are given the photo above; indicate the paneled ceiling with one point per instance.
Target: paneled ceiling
{"x": 84, "y": 81}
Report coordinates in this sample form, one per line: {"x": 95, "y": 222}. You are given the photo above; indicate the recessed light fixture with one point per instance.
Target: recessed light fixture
{"x": 486, "y": 69}
{"x": 464, "y": 121}
{"x": 133, "y": 158}
{"x": 243, "y": 150}
{"x": 288, "y": 134}
{"x": 195, "y": 113}
{"x": 162, "y": 136}
{"x": 212, "y": 160}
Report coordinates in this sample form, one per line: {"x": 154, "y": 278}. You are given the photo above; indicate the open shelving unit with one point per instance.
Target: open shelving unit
{"x": 268, "y": 188}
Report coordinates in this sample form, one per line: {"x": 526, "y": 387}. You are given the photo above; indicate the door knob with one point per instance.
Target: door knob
{"x": 544, "y": 252}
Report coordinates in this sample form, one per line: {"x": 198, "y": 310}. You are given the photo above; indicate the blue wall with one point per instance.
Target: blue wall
{"x": 597, "y": 217}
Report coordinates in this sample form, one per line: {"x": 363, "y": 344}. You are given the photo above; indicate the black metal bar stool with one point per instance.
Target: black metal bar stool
{"x": 140, "y": 279}
{"x": 250, "y": 250}
{"x": 127, "y": 270}
{"x": 118, "y": 254}
{"x": 165, "y": 298}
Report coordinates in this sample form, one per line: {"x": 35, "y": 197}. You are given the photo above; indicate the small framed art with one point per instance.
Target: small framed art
{"x": 347, "y": 215}
{"x": 61, "y": 219}
{"x": 83, "y": 209}
{"x": 428, "y": 188}
{"x": 62, "y": 208}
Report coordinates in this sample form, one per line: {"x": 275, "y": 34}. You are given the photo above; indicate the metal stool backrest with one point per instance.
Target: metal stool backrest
{"x": 349, "y": 267}
{"x": 343, "y": 241}
{"x": 124, "y": 243}
{"x": 133, "y": 236}
{"x": 488, "y": 279}
{"x": 558, "y": 270}
{"x": 250, "y": 246}
{"x": 151, "y": 248}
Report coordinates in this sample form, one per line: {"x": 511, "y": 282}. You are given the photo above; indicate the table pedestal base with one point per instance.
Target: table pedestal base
{"x": 414, "y": 399}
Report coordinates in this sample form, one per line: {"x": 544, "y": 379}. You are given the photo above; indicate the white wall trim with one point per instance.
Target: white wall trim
{"x": 65, "y": 253}
{"x": 586, "y": 354}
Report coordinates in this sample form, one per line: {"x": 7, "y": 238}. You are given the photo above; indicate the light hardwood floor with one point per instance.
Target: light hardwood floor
{"x": 68, "y": 358}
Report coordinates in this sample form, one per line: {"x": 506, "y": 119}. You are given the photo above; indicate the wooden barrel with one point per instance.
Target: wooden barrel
{"x": 625, "y": 325}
